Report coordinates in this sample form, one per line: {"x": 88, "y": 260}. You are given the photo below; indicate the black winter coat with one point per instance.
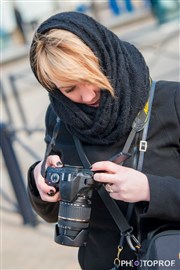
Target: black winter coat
{"x": 161, "y": 165}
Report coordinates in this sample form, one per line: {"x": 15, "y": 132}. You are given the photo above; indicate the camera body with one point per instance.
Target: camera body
{"x": 70, "y": 180}
{"x": 76, "y": 185}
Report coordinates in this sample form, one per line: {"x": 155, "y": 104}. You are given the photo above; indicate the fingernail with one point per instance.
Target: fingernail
{"x": 51, "y": 193}
{"x": 59, "y": 163}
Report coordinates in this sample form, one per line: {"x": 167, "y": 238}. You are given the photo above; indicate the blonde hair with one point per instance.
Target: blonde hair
{"x": 60, "y": 55}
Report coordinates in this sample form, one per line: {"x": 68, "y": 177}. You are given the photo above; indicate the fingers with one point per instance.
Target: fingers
{"x": 110, "y": 171}
{"x": 110, "y": 188}
{"x": 105, "y": 178}
{"x": 122, "y": 183}
{"x": 54, "y": 161}
{"x": 47, "y": 198}
{"x": 106, "y": 166}
{"x": 47, "y": 193}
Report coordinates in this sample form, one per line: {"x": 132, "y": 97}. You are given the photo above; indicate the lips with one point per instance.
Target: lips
{"x": 94, "y": 104}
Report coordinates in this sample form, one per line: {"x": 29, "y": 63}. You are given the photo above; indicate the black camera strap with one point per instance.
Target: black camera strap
{"x": 84, "y": 159}
{"x": 140, "y": 123}
{"x": 50, "y": 146}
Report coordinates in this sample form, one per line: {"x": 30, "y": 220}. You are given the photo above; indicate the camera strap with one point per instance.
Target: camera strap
{"x": 50, "y": 146}
{"x": 140, "y": 123}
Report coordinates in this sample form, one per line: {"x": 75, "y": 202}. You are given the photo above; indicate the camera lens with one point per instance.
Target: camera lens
{"x": 73, "y": 222}
{"x": 76, "y": 187}
{"x": 78, "y": 211}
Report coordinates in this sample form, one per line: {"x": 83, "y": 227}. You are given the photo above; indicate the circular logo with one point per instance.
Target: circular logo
{"x": 136, "y": 263}
{"x": 55, "y": 178}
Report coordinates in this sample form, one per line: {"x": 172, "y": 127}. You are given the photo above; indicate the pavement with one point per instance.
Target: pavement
{"x": 27, "y": 247}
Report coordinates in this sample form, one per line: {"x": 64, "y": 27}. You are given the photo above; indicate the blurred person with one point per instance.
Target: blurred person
{"x": 97, "y": 85}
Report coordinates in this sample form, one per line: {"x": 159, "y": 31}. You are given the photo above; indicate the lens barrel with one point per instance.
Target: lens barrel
{"x": 74, "y": 211}
{"x": 73, "y": 222}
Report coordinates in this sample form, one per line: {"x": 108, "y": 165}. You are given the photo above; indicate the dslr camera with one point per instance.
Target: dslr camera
{"x": 76, "y": 185}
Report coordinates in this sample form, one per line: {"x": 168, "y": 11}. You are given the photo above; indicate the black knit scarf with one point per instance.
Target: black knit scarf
{"x": 125, "y": 67}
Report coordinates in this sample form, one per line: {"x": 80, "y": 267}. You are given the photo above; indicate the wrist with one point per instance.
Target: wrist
{"x": 146, "y": 189}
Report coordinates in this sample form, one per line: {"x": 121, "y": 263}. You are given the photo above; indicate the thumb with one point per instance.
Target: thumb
{"x": 54, "y": 161}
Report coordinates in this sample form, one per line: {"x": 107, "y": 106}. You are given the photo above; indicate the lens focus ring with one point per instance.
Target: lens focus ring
{"x": 74, "y": 212}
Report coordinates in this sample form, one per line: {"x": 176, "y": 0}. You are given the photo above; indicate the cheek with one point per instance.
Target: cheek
{"x": 75, "y": 97}
{"x": 99, "y": 93}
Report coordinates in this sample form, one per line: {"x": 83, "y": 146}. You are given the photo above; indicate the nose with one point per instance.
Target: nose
{"x": 87, "y": 93}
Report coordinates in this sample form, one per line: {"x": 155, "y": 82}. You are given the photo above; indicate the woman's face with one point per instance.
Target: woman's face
{"x": 83, "y": 93}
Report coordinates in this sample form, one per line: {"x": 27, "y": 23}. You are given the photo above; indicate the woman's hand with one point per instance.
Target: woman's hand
{"x": 122, "y": 183}
{"x": 47, "y": 193}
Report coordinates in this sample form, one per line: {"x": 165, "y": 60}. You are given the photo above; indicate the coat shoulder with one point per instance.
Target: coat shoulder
{"x": 167, "y": 98}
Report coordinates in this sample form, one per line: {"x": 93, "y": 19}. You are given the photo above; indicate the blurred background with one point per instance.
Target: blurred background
{"x": 153, "y": 26}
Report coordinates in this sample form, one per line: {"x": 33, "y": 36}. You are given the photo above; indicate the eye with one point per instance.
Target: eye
{"x": 69, "y": 90}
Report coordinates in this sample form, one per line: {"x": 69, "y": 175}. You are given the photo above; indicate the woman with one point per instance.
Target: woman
{"x": 97, "y": 85}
